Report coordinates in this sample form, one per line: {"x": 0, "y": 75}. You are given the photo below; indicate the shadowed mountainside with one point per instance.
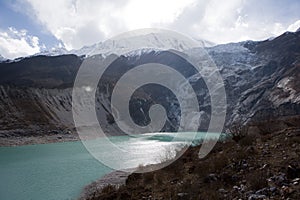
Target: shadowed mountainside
{"x": 261, "y": 81}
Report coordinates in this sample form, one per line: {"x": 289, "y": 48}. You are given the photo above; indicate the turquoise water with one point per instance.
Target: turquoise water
{"x": 59, "y": 171}
{"x": 47, "y": 171}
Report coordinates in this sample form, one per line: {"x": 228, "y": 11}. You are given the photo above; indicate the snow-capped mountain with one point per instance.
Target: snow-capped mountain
{"x": 53, "y": 52}
{"x": 157, "y": 40}
{"x": 2, "y": 58}
{"x": 261, "y": 81}
{"x": 125, "y": 44}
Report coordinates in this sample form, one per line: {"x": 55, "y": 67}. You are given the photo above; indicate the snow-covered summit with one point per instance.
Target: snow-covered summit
{"x": 1, "y": 58}
{"x": 129, "y": 44}
{"x": 140, "y": 52}
{"x": 124, "y": 45}
{"x": 54, "y": 52}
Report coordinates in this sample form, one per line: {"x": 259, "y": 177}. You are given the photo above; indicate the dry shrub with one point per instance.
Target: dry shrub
{"x": 265, "y": 128}
{"x": 202, "y": 169}
{"x": 210, "y": 193}
{"x": 219, "y": 163}
{"x": 293, "y": 140}
{"x": 265, "y": 138}
{"x": 109, "y": 189}
{"x": 158, "y": 178}
{"x": 148, "y": 178}
{"x": 257, "y": 180}
{"x": 109, "y": 192}
{"x": 238, "y": 131}
{"x": 240, "y": 155}
{"x": 247, "y": 140}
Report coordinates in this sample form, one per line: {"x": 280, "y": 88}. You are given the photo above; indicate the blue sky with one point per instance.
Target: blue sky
{"x": 30, "y": 26}
{"x": 11, "y": 17}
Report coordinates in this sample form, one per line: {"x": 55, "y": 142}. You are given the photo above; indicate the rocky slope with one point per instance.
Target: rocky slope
{"x": 261, "y": 81}
{"x": 264, "y": 167}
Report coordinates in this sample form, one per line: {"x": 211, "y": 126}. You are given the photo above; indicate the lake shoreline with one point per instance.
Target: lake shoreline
{"x": 110, "y": 177}
{"x": 116, "y": 178}
{"x": 40, "y": 139}
{"x": 264, "y": 166}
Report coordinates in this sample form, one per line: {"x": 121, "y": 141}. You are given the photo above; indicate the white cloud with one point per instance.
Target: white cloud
{"x": 17, "y": 43}
{"x": 145, "y": 13}
{"x": 229, "y": 21}
{"x": 217, "y": 21}
{"x": 80, "y": 22}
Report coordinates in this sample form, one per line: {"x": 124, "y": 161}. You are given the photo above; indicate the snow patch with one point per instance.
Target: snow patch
{"x": 229, "y": 48}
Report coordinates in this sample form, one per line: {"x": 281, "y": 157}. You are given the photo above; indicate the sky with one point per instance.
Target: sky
{"x": 31, "y": 26}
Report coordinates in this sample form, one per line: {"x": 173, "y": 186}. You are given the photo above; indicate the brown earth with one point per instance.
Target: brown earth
{"x": 256, "y": 167}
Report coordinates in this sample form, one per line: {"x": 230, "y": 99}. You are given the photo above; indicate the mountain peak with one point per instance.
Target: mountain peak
{"x": 2, "y": 58}
{"x": 54, "y": 52}
{"x": 155, "y": 40}
{"x": 124, "y": 44}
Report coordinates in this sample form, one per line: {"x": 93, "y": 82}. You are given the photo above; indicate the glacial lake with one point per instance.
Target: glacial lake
{"x": 59, "y": 171}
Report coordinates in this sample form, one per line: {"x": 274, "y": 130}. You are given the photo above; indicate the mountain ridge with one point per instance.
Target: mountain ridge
{"x": 260, "y": 80}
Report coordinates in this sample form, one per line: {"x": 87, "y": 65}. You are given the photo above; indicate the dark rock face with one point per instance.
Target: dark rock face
{"x": 261, "y": 81}
{"x": 275, "y": 91}
{"x": 40, "y": 71}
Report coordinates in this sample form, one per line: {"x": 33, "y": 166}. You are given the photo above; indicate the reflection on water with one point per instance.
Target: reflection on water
{"x": 61, "y": 170}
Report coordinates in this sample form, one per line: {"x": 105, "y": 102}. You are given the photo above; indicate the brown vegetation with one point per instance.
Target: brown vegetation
{"x": 264, "y": 167}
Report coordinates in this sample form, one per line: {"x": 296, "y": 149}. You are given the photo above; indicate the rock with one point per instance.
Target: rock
{"x": 191, "y": 169}
{"x": 210, "y": 178}
{"x": 265, "y": 152}
{"x": 234, "y": 177}
{"x": 66, "y": 131}
{"x": 278, "y": 179}
{"x": 182, "y": 194}
{"x": 248, "y": 193}
{"x": 54, "y": 132}
{"x": 296, "y": 180}
{"x": 222, "y": 191}
{"x": 264, "y": 166}
{"x": 273, "y": 190}
{"x": 236, "y": 188}
{"x": 174, "y": 181}
{"x": 263, "y": 191}
{"x": 286, "y": 190}
{"x": 256, "y": 196}
{"x": 293, "y": 172}
{"x": 243, "y": 188}
{"x": 250, "y": 150}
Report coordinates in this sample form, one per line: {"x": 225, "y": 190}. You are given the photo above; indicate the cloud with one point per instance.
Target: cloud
{"x": 235, "y": 20}
{"x": 79, "y": 22}
{"x": 211, "y": 20}
{"x": 17, "y": 43}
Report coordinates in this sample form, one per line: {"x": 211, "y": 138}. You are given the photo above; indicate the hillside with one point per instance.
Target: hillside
{"x": 263, "y": 166}
{"x": 261, "y": 82}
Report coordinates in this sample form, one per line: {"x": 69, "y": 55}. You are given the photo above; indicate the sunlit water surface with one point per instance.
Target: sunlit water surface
{"x": 60, "y": 170}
